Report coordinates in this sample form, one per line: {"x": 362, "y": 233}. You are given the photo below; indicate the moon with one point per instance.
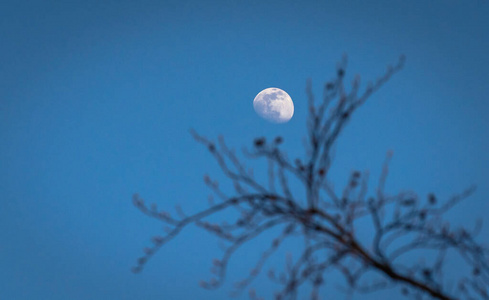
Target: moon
{"x": 274, "y": 105}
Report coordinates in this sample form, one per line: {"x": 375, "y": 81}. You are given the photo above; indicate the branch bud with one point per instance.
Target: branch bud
{"x": 259, "y": 142}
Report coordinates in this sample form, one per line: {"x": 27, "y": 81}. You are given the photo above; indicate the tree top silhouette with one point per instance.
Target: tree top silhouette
{"x": 403, "y": 224}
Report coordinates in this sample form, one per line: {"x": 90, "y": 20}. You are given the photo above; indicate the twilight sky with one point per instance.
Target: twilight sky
{"x": 97, "y": 98}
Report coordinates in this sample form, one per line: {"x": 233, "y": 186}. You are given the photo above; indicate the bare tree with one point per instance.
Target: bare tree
{"x": 328, "y": 221}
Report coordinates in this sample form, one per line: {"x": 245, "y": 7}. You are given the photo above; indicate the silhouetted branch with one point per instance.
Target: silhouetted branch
{"x": 403, "y": 224}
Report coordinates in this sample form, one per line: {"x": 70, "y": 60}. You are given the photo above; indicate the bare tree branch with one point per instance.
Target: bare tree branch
{"x": 403, "y": 224}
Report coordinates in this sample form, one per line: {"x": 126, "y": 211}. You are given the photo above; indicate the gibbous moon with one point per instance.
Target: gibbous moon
{"x": 274, "y": 105}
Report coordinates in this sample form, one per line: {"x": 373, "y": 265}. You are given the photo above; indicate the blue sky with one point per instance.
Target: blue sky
{"x": 97, "y": 97}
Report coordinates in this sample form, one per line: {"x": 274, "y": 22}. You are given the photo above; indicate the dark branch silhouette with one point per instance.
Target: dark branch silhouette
{"x": 403, "y": 223}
